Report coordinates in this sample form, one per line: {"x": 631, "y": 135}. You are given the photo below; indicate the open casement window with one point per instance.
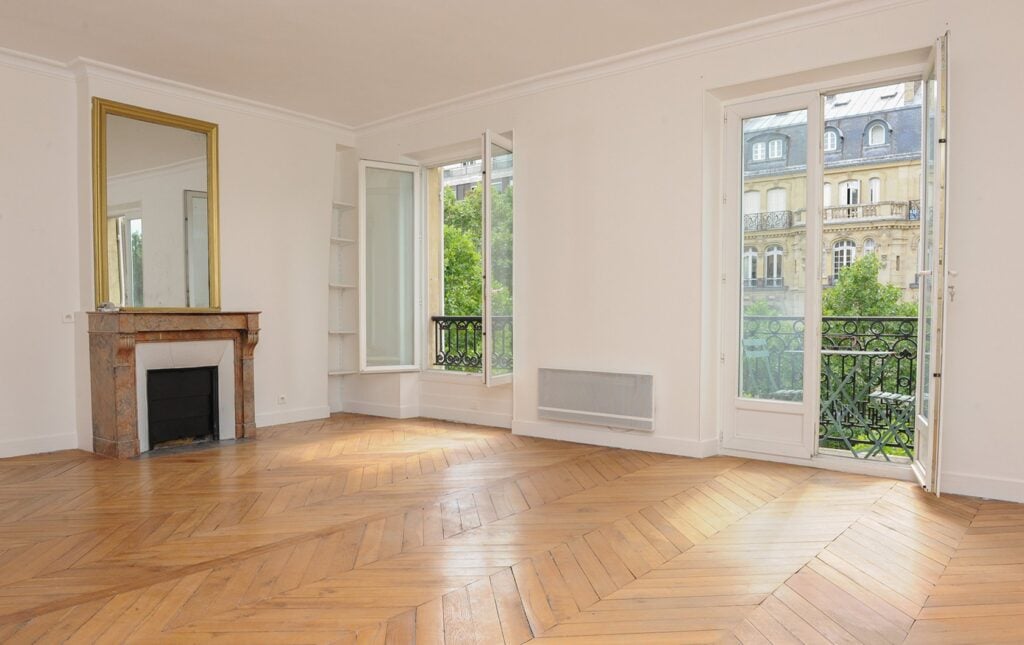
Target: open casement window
{"x": 389, "y": 252}
{"x": 497, "y": 257}
{"x": 932, "y": 274}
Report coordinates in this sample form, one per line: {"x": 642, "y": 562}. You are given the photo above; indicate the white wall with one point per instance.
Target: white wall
{"x": 612, "y": 187}
{"x": 276, "y": 192}
{"x": 38, "y": 259}
{"x": 276, "y": 189}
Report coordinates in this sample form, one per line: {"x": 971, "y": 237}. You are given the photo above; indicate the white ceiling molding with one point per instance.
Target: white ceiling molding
{"x": 34, "y": 64}
{"x": 83, "y": 69}
{"x": 95, "y": 69}
{"x": 752, "y": 31}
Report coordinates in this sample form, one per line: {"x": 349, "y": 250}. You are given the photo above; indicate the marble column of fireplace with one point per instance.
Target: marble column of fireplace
{"x": 112, "y": 341}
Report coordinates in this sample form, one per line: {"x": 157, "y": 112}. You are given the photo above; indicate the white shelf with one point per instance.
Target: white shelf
{"x": 342, "y": 286}
{"x": 342, "y": 240}
{"x": 341, "y": 332}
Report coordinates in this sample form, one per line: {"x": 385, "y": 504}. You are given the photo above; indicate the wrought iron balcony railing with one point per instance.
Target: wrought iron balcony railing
{"x": 889, "y": 210}
{"x": 768, "y": 221}
{"x": 459, "y": 342}
{"x": 764, "y": 283}
{"x": 868, "y": 378}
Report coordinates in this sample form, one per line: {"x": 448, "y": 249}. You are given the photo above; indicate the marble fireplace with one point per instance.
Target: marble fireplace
{"x": 124, "y": 344}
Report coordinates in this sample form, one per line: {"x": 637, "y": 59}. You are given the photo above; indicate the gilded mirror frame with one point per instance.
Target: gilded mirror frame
{"x": 101, "y": 109}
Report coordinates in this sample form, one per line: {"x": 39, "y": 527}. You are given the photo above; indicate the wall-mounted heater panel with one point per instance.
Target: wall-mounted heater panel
{"x": 597, "y": 398}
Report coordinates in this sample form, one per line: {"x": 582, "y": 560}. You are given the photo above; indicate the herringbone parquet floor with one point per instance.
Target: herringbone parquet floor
{"x": 361, "y": 530}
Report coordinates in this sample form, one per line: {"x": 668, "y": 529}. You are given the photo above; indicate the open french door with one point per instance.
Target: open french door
{"x": 497, "y": 258}
{"x": 932, "y": 274}
{"x": 770, "y": 347}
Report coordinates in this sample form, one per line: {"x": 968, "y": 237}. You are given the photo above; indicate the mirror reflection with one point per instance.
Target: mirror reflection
{"x": 156, "y": 228}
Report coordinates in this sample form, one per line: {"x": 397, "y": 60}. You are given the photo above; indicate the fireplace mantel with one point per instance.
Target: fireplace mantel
{"x": 112, "y": 340}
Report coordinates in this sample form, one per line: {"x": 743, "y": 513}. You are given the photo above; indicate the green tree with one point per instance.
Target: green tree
{"x": 463, "y": 273}
{"x": 859, "y": 293}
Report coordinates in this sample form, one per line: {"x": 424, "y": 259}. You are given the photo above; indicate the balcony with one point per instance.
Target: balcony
{"x": 908, "y": 210}
{"x": 764, "y": 283}
{"x": 767, "y": 221}
{"x": 459, "y": 341}
{"x": 867, "y": 379}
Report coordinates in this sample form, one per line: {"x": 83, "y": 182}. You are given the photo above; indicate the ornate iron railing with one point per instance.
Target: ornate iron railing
{"x": 459, "y": 342}
{"x": 768, "y": 221}
{"x": 868, "y": 378}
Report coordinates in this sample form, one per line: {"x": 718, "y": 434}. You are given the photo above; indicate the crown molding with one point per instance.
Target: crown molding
{"x": 35, "y": 64}
{"x": 85, "y": 68}
{"x": 82, "y": 69}
{"x": 748, "y": 32}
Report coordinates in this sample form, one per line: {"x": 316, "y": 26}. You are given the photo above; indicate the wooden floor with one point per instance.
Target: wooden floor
{"x": 371, "y": 531}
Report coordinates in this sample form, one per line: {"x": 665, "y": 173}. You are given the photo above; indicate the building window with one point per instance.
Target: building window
{"x": 874, "y": 190}
{"x": 849, "y": 192}
{"x": 876, "y": 135}
{"x": 751, "y": 202}
{"x": 749, "y": 266}
{"x": 831, "y": 140}
{"x": 843, "y": 253}
{"x": 757, "y": 151}
{"x": 773, "y": 266}
{"x": 826, "y": 195}
{"x": 775, "y": 149}
{"x": 869, "y": 246}
{"x": 777, "y": 200}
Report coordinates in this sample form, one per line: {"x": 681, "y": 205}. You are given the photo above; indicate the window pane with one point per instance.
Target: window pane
{"x": 500, "y": 269}
{"x": 772, "y": 294}
{"x": 390, "y": 267}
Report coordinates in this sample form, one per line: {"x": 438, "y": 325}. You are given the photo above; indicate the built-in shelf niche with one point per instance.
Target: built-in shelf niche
{"x": 343, "y": 280}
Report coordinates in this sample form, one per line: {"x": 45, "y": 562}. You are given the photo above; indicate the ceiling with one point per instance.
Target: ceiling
{"x": 358, "y": 61}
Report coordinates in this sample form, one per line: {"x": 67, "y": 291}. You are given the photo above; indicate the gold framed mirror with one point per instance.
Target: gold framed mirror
{"x": 156, "y": 226}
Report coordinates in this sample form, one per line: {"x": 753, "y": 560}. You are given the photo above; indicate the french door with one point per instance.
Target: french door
{"x": 933, "y": 271}
{"x": 771, "y": 234}
{"x": 497, "y": 258}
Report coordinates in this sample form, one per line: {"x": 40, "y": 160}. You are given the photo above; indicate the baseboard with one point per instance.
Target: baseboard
{"x": 381, "y": 409}
{"x": 612, "y": 439}
{"x": 459, "y": 415}
{"x": 292, "y": 416}
{"x": 35, "y": 445}
{"x": 1010, "y": 490}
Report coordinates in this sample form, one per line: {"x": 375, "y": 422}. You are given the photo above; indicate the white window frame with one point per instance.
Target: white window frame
{"x": 845, "y": 192}
{"x": 758, "y": 151}
{"x": 776, "y": 149}
{"x": 870, "y": 245}
{"x": 773, "y": 265}
{"x": 417, "y": 264}
{"x": 826, "y": 195}
{"x": 874, "y": 190}
{"x": 844, "y": 253}
{"x": 749, "y": 207}
{"x": 877, "y": 127}
{"x": 750, "y": 266}
{"x": 785, "y": 199}
{"x": 831, "y": 140}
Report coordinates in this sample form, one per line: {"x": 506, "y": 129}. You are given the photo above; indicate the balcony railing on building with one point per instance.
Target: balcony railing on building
{"x": 906, "y": 210}
{"x": 767, "y": 221}
{"x": 868, "y": 378}
{"x": 776, "y": 282}
{"x": 459, "y": 342}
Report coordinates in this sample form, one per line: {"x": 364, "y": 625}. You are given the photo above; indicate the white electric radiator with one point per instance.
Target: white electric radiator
{"x": 597, "y": 398}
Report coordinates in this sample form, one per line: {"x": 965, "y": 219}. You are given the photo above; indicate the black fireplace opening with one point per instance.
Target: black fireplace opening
{"x": 183, "y": 406}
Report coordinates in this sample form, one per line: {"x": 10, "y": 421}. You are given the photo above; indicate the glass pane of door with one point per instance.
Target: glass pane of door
{"x": 931, "y": 276}
{"x": 389, "y": 258}
{"x": 498, "y": 273}
{"x": 773, "y": 254}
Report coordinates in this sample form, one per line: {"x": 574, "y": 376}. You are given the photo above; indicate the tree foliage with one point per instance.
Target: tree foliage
{"x": 859, "y": 293}
{"x": 463, "y": 244}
